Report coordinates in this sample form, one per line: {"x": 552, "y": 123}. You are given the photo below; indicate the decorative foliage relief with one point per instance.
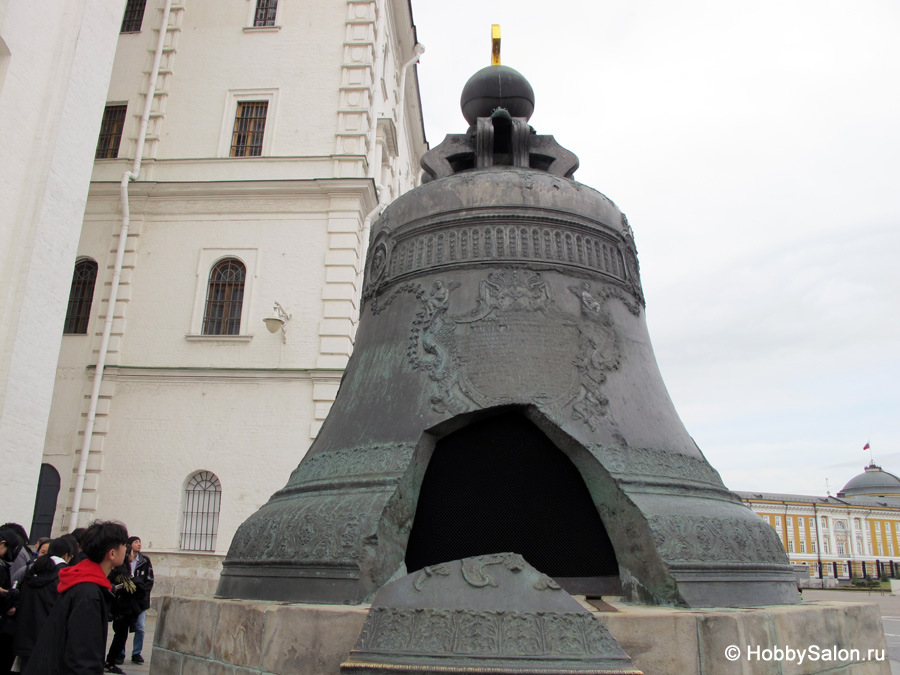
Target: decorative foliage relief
{"x": 466, "y": 355}
{"x": 474, "y": 572}
{"x": 309, "y": 528}
{"x": 387, "y": 458}
{"x": 485, "y": 633}
{"x": 503, "y": 242}
{"x": 690, "y": 538}
{"x": 662, "y": 463}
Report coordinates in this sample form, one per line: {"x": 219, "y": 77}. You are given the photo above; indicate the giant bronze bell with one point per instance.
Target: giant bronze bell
{"x": 503, "y": 395}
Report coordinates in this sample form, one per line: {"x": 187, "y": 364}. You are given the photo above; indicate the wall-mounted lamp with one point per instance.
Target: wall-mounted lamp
{"x": 277, "y": 321}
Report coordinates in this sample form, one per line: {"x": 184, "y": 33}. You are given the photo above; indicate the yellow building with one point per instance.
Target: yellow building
{"x": 853, "y": 535}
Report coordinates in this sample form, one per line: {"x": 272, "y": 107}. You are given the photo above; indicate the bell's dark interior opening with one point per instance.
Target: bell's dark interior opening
{"x": 501, "y": 485}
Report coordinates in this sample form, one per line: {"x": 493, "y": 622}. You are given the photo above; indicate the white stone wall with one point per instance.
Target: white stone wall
{"x": 55, "y": 64}
{"x": 174, "y": 402}
{"x": 185, "y": 574}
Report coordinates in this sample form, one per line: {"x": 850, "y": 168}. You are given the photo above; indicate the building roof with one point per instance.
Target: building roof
{"x": 873, "y": 502}
{"x": 872, "y": 482}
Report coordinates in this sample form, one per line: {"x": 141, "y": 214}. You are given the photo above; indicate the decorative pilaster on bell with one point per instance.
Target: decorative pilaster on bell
{"x": 502, "y": 139}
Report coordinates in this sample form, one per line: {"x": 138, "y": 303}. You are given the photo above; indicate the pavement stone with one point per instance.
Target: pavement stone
{"x": 888, "y": 604}
{"x": 149, "y": 632}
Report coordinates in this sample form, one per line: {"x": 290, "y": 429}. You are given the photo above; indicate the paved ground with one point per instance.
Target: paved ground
{"x": 889, "y": 604}
{"x": 149, "y": 628}
{"x": 890, "y": 615}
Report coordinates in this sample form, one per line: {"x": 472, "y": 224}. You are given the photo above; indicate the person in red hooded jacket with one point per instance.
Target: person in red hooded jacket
{"x": 73, "y": 640}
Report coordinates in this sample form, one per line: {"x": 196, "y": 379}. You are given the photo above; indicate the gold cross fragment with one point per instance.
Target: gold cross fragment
{"x": 495, "y": 44}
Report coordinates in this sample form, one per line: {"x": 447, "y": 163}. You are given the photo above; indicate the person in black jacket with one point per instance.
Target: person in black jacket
{"x": 125, "y": 609}
{"x": 10, "y": 545}
{"x": 37, "y": 595}
{"x": 142, "y": 575}
{"x": 73, "y": 639}
{"x": 25, "y": 554}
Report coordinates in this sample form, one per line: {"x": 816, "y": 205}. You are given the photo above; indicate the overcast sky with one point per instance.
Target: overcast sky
{"x": 755, "y": 148}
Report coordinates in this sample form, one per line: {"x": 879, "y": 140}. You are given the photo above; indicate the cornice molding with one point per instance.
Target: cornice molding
{"x": 291, "y": 188}
{"x": 162, "y": 374}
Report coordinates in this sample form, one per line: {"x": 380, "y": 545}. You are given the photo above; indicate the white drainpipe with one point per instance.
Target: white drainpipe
{"x": 367, "y": 222}
{"x": 382, "y": 191}
{"x": 127, "y": 177}
{"x": 418, "y": 50}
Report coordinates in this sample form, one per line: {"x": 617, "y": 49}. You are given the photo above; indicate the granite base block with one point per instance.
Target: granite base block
{"x": 211, "y": 636}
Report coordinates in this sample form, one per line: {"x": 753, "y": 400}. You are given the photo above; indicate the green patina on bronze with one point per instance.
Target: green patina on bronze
{"x": 502, "y": 287}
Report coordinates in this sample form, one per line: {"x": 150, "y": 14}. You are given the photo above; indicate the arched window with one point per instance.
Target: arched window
{"x": 80, "y": 298}
{"x": 202, "y": 500}
{"x": 224, "y": 298}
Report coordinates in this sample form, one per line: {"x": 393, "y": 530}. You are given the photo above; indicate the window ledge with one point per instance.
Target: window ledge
{"x": 218, "y": 338}
{"x": 184, "y": 551}
{"x": 262, "y": 29}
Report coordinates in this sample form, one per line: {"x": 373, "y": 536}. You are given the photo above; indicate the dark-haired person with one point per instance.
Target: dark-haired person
{"x": 10, "y": 544}
{"x": 40, "y": 549}
{"x": 73, "y": 545}
{"x": 73, "y": 639}
{"x": 25, "y": 554}
{"x": 142, "y": 575}
{"x": 125, "y": 609}
{"x": 37, "y": 595}
{"x": 42, "y": 546}
{"x": 78, "y": 533}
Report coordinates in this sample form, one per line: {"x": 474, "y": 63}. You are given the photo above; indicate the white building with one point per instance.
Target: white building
{"x": 275, "y": 129}
{"x": 55, "y": 64}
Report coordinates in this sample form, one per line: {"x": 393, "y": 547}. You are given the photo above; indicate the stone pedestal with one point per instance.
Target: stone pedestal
{"x": 207, "y": 636}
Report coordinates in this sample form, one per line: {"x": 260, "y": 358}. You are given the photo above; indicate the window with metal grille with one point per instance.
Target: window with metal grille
{"x": 111, "y": 132}
{"x": 225, "y": 298}
{"x": 134, "y": 16}
{"x": 265, "y": 13}
{"x": 249, "y": 124}
{"x": 81, "y": 296}
{"x": 202, "y": 500}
